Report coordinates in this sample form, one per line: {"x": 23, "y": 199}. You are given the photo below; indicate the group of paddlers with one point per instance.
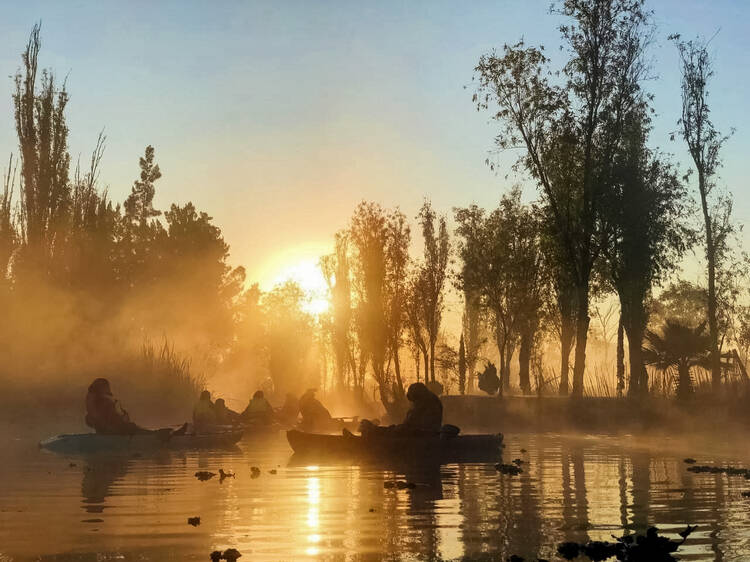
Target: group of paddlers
{"x": 105, "y": 414}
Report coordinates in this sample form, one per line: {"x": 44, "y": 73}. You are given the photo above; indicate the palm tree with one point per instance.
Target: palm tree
{"x": 679, "y": 345}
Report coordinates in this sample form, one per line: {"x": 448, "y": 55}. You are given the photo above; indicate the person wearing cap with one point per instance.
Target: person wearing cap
{"x": 105, "y": 414}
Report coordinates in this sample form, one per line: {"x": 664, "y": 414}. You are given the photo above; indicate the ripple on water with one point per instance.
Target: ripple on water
{"x": 570, "y": 489}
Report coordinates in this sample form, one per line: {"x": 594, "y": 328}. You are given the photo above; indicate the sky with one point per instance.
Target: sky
{"x": 278, "y": 117}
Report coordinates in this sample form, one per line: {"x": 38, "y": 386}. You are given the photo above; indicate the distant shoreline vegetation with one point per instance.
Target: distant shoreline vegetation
{"x": 92, "y": 287}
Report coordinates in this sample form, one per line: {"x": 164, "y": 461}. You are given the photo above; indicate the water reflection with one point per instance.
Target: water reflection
{"x": 99, "y": 474}
{"x": 571, "y": 489}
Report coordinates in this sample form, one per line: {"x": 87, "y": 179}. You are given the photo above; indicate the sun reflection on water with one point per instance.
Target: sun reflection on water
{"x": 313, "y": 512}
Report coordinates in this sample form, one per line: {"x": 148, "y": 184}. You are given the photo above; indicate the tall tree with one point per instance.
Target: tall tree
{"x": 643, "y": 214}
{"x": 397, "y": 292}
{"x": 434, "y": 270}
{"x": 470, "y": 250}
{"x": 502, "y": 258}
{"x": 377, "y": 248}
{"x": 570, "y": 133}
{"x": 45, "y": 161}
{"x": 414, "y": 317}
{"x": 704, "y": 142}
{"x": 335, "y": 268}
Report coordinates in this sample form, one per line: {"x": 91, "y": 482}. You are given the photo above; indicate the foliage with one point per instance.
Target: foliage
{"x": 502, "y": 259}
{"x": 680, "y": 346}
{"x": 704, "y": 143}
{"x": 432, "y": 275}
{"x": 569, "y": 132}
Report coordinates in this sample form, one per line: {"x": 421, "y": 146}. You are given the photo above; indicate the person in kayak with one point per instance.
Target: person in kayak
{"x": 289, "y": 411}
{"x": 105, "y": 414}
{"x": 204, "y": 412}
{"x": 258, "y": 411}
{"x": 315, "y": 416}
{"x": 224, "y": 415}
{"x": 424, "y": 417}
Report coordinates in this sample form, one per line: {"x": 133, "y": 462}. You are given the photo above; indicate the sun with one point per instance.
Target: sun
{"x": 307, "y": 274}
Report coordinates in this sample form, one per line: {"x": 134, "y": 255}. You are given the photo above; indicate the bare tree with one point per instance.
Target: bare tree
{"x": 704, "y": 143}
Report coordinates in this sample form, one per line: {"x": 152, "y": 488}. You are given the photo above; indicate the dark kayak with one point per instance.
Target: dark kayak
{"x": 400, "y": 447}
{"x": 94, "y": 443}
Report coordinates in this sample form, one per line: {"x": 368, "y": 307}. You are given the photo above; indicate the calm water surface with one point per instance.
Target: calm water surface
{"x": 54, "y": 507}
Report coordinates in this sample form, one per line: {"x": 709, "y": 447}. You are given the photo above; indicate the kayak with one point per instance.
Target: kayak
{"x": 438, "y": 447}
{"x": 94, "y": 442}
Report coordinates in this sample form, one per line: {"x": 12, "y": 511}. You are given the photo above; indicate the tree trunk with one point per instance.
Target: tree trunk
{"x": 566, "y": 343}
{"x": 506, "y": 370}
{"x": 432, "y": 360}
{"x": 638, "y": 378}
{"x": 397, "y": 369}
{"x": 582, "y": 330}
{"x": 685, "y": 383}
{"x": 713, "y": 324}
{"x": 426, "y": 364}
{"x": 524, "y": 358}
{"x": 620, "y": 358}
{"x": 416, "y": 363}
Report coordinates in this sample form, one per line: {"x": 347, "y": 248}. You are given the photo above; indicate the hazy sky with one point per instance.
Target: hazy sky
{"x": 278, "y": 117}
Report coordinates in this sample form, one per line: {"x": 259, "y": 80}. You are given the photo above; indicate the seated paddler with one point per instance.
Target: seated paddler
{"x": 204, "y": 412}
{"x": 425, "y": 416}
{"x": 315, "y": 416}
{"x": 105, "y": 414}
{"x": 258, "y": 411}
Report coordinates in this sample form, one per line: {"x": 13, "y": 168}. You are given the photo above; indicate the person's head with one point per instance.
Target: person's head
{"x": 205, "y": 395}
{"x": 258, "y": 394}
{"x": 100, "y": 386}
{"x": 220, "y": 403}
{"x": 417, "y": 391}
{"x": 309, "y": 393}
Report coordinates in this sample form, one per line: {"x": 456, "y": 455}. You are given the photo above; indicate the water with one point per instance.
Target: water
{"x": 102, "y": 508}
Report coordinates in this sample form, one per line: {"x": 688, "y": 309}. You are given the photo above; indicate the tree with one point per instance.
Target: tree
{"x": 462, "y": 366}
{"x": 704, "y": 143}
{"x": 433, "y": 272}
{"x": 378, "y": 242}
{"x": 397, "y": 287}
{"x": 335, "y": 268}
{"x": 45, "y": 161}
{"x": 8, "y": 235}
{"x": 680, "y": 346}
{"x": 469, "y": 245}
{"x": 289, "y": 338}
{"x": 643, "y": 222}
{"x": 141, "y": 235}
{"x": 502, "y": 259}
{"x": 570, "y": 133}
{"x": 201, "y": 288}
{"x": 415, "y": 324}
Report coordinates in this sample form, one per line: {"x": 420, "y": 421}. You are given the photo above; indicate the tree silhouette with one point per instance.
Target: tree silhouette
{"x": 570, "y": 133}
{"x": 704, "y": 143}
{"x": 643, "y": 218}
{"x": 433, "y": 271}
{"x": 680, "y": 346}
